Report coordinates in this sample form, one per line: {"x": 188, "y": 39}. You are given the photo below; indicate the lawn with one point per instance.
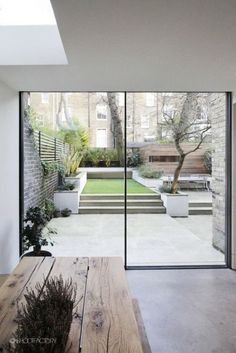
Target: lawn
{"x": 114, "y": 186}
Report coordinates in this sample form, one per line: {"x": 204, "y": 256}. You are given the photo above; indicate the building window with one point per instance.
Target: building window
{"x": 101, "y": 111}
{"x": 101, "y": 138}
{"x": 145, "y": 121}
{"x": 150, "y": 99}
{"x": 169, "y": 159}
{"x": 120, "y": 99}
{"x": 45, "y": 98}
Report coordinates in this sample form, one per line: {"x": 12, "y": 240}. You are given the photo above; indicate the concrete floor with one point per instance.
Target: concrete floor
{"x": 187, "y": 311}
{"x": 153, "y": 239}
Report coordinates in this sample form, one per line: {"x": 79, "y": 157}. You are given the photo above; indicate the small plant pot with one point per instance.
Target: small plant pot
{"x": 57, "y": 214}
{"x": 43, "y": 253}
{"x": 66, "y": 212}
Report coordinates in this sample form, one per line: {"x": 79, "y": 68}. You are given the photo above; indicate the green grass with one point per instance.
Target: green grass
{"x": 114, "y": 186}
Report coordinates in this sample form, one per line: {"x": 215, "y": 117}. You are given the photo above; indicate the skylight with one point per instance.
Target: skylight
{"x": 26, "y": 12}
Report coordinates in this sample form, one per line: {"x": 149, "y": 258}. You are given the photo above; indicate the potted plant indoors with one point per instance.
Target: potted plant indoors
{"x": 189, "y": 123}
{"x": 36, "y": 233}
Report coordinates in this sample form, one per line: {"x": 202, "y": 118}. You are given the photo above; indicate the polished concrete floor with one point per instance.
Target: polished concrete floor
{"x": 187, "y": 311}
{"x": 152, "y": 239}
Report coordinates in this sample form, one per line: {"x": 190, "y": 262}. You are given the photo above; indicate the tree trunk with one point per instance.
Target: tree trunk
{"x": 176, "y": 174}
{"x": 117, "y": 127}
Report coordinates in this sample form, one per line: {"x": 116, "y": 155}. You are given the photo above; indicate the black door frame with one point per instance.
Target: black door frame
{"x": 228, "y": 186}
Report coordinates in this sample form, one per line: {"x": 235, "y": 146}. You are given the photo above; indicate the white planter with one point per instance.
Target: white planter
{"x": 176, "y": 204}
{"x": 67, "y": 199}
{"x": 78, "y": 181}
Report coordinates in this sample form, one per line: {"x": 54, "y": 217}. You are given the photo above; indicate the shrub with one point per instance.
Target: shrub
{"x": 93, "y": 157}
{"x": 133, "y": 159}
{"x": 148, "y": 172}
{"x": 66, "y": 186}
{"x": 165, "y": 189}
{"x": 47, "y": 312}
{"x": 49, "y": 208}
{"x": 36, "y": 233}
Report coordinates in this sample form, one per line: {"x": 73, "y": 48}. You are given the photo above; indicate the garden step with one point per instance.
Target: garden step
{"x": 120, "y": 210}
{"x": 119, "y": 196}
{"x": 200, "y": 204}
{"x": 130, "y": 202}
{"x": 200, "y": 211}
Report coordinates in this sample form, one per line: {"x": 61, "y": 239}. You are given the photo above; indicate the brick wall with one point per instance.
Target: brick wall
{"x": 218, "y": 118}
{"x": 36, "y": 186}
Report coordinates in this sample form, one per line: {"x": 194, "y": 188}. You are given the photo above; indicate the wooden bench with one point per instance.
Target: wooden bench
{"x": 104, "y": 318}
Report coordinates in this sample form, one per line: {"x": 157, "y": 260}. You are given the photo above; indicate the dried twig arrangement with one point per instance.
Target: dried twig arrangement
{"x": 44, "y": 321}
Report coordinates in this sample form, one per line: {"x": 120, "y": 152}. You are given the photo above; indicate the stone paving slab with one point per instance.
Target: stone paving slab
{"x": 152, "y": 239}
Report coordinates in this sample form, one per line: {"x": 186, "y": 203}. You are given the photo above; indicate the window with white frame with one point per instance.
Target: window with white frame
{"x": 121, "y": 99}
{"x": 101, "y": 111}
{"x": 145, "y": 121}
{"x": 45, "y": 98}
{"x": 150, "y": 99}
{"x": 101, "y": 138}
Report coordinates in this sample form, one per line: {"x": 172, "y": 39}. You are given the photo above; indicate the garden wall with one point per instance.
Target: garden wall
{"x": 218, "y": 119}
{"x": 36, "y": 186}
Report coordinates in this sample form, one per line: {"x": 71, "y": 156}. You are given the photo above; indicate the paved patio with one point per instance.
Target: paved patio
{"x": 152, "y": 239}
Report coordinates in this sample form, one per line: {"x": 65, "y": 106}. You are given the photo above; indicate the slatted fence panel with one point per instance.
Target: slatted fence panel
{"x": 50, "y": 148}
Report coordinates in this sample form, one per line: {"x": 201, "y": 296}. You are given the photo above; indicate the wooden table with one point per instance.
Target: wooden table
{"x": 104, "y": 319}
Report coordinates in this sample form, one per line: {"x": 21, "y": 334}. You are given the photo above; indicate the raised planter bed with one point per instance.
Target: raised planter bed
{"x": 78, "y": 181}
{"x": 176, "y": 204}
{"x": 67, "y": 199}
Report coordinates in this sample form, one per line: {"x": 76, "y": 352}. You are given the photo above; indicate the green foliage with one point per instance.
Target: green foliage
{"x": 35, "y": 232}
{"x": 133, "y": 158}
{"x": 78, "y": 140}
{"x": 147, "y": 171}
{"x": 95, "y": 156}
{"x": 47, "y": 313}
{"x": 66, "y": 186}
{"x": 165, "y": 189}
{"x": 50, "y": 167}
{"x": 66, "y": 212}
{"x": 207, "y": 157}
{"x": 49, "y": 208}
{"x": 34, "y": 120}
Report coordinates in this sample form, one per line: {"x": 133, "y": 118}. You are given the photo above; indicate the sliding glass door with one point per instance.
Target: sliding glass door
{"x": 140, "y": 175}
{"x": 176, "y": 148}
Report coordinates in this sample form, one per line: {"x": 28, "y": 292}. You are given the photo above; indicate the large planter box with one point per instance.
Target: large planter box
{"x": 176, "y": 204}
{"x": 78, "y": 181}
{"x": 67, "y": 199}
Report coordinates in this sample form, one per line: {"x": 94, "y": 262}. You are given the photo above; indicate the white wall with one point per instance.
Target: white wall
{"x": 9, "y": 179}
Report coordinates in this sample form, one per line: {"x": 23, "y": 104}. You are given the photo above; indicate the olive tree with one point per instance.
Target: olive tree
{"x": 185, "y": 119}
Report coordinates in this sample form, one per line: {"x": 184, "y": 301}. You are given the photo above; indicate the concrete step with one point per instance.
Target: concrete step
{"x": 200, "y": 211}
{"x": 119, "y": 196}
{"x": 200, "y": 204}
{"x": 108, "y": 203}
{"x": 120, "y": 210}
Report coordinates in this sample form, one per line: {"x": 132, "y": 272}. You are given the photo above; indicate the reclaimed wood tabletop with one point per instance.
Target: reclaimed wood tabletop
{"x": 103, "y": 317}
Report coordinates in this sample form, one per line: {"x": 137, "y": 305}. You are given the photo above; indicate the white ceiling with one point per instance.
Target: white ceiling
{"x": 138, "y": 45}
